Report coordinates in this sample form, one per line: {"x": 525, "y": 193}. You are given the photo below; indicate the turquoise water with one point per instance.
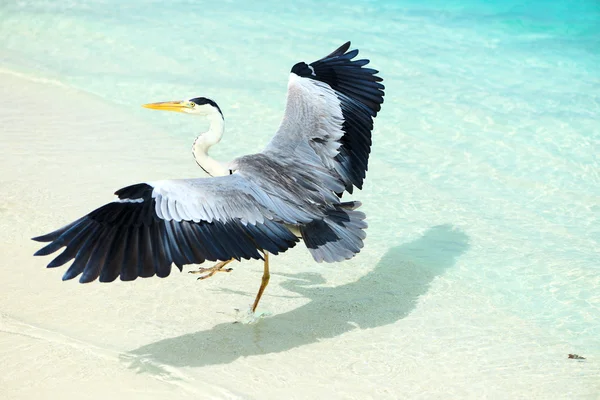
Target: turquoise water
{"x": 491, "y": 121}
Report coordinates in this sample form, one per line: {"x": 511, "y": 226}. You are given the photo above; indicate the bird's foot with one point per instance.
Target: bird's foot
{"x": 249, "y": 317}
{"x": 218, "y": 267}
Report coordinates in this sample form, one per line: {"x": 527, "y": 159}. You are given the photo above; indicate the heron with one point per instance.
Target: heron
{"x": 253, "y": 206}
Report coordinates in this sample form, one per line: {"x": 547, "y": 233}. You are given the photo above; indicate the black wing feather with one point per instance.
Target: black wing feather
{"x": 111, "y": 269}
{"x": 128, "y": 271}
{"x": 129, "y": 240}
{"x": 360, "y": 95}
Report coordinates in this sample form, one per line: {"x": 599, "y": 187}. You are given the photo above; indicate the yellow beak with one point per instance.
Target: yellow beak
{"x": 177, "y": 106}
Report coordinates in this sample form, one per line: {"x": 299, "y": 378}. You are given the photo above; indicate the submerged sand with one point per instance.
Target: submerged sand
{"x": 379, "y": 327}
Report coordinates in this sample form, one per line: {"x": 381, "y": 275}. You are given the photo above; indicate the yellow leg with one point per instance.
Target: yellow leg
{"x": 218, "y": 267}
{"x": 264, "y": 283}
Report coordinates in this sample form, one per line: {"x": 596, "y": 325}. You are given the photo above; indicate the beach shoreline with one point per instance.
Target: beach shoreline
{"x": 380, "y": 327}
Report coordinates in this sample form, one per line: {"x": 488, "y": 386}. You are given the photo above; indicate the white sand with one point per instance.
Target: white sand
{"x": 380, "y": 327}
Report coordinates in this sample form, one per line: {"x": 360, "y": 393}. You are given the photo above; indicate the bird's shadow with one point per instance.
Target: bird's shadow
{"x": 383, "y": 296}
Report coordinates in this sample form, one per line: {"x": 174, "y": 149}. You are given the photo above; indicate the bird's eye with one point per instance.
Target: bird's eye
{"x": 192, "y": 104}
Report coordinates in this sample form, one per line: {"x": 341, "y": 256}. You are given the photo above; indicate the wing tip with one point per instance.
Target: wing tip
{"x": 340, "y": 50}
{"x": 67, "y": 277}
{"x": 40, "y": 253}
{"x": 49, "y": 237}
{"x": 137, "y": 191}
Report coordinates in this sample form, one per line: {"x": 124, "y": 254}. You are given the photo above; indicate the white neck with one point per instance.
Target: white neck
{"x": 205, "y": 141}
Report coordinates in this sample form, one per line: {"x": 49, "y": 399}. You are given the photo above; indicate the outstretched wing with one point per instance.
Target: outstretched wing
{"x": 329, "y": 114}
{"x": 153, "y": 225}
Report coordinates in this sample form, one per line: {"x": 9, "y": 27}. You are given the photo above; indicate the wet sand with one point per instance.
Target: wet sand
{"x": 379, "y": 327}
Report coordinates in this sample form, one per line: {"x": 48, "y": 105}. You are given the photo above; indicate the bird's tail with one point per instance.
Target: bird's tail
{"x": 337, "y": 237}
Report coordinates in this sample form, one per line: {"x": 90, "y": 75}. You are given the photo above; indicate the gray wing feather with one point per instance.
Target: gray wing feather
{"x": 153, "y": 225}
{"x": 329, "y": 115}
{"x": 320, "y": 150}
{"x": 312, "y": 121}
{"x": 226, "y": 198}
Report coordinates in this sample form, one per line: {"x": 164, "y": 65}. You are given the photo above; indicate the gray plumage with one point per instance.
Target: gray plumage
{"x": 320, "y": 150}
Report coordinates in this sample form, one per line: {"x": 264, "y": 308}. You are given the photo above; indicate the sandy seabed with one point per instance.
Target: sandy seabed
{"x": 381, "y": 330}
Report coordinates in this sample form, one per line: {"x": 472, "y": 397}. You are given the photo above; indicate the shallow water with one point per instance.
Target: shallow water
{"x": 484, "y": 174}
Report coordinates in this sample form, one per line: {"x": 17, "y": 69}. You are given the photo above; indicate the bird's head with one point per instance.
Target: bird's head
{"x": 197, "y": 106}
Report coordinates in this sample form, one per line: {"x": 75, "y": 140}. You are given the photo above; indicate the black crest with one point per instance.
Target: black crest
{"x": 203, "y": 100}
